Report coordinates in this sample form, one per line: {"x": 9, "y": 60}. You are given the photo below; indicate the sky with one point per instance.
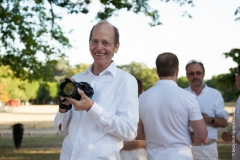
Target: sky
{"x": 205, "y": 37}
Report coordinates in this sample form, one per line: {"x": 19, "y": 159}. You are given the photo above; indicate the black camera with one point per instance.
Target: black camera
{"x": 69, "y": 89}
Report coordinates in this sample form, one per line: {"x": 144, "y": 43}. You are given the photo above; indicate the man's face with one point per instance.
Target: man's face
{"x": 102, "y": 45}
{"x": 195, "y": 74}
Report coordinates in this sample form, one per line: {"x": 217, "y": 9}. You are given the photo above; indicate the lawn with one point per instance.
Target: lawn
{"x": 33, "y": 148}
{"x": 48, "y": 147}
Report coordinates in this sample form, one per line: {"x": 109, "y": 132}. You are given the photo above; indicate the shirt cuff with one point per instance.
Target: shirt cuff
{"x": 95, "y": 111}
{"x": 62, "y": 115}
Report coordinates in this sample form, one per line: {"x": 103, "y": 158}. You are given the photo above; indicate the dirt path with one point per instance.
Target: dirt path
{"x": 27, "y": 113}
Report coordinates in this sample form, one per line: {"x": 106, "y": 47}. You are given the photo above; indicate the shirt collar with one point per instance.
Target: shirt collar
{"x": 205, "y": 89}
{"x": 160, "y": 82}
{"x": 112, "y": 69}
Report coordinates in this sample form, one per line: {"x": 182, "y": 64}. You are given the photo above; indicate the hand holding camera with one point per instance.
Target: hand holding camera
{"x": 76, "y": 94}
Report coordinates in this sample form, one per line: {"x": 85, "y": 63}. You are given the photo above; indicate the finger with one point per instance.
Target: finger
{"x": 69, "y": 99}
{"x": 62, "y": 98}
{"x": 82, "y": 94}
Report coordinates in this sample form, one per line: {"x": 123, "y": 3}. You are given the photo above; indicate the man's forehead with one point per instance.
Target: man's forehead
{"x": 194, "y": 66}
{"x": 103, "y": 29}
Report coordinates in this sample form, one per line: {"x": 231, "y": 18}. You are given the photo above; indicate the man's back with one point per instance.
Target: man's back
{"x": 165, "y": 110}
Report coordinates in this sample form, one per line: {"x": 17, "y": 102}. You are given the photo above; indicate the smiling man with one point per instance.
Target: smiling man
{"x": 96, "y": 128}
{"x": 212, "y": 108}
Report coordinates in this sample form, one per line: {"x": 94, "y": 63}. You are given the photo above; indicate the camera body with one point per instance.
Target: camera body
{"x": 69, "y": 89}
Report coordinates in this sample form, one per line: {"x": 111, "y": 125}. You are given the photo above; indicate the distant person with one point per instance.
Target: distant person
{"x": 234, "y": 137}
{"x": 136, "y": 149}
{"x": 166, "y": 112}
{"x": 96, "y": 128}
{"x": 212, "y": 107}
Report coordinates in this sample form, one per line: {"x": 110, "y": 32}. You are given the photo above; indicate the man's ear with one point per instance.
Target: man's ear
{"x": 177, "y": 71}
{"x": 116, "y": 48}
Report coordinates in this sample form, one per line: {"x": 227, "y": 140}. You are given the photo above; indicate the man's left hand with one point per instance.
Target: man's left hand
{"x": 206, "y": 118}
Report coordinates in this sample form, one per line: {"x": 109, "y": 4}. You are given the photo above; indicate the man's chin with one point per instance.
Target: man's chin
{"x": 196, "y": 84}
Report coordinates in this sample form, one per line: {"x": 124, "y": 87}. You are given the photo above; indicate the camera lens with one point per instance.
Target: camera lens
{"x": 69, "y": 89}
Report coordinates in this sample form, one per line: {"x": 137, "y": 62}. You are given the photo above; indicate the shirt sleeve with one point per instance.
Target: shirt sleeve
{"x": 194, "y": 108}
{"x": 123, "y": 123}
{"x": 220, "y": 111}
{"x": 63, "y": 119}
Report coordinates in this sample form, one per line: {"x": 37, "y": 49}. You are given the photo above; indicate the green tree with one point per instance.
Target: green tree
{"x": 227, "y": 91}
{"x": 228, "y": 80}
{"x": 29, "y": 28}
{"x": 141, "y": 71}
{"x": 30, "y": 90}
{"x": 183, "y": 82}
{"x": 77, "y": 69}
{"x": 62, "y": 70}
{"x": 237, "y": 13}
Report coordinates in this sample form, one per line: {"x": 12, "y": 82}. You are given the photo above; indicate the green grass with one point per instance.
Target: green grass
{"x": 230, "y": 104}
{"x": 224, "y": 152}
{"x": 48, "y": 147}
{"x": 32, "y": 148}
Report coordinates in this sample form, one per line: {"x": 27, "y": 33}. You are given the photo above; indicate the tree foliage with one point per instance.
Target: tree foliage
{"x": 141, "y": 71}
{"x": 237, "y": 13}
{"x": 183, "y": 82}
{"x": 229, "y": 79}
{"x": 229, "y": 92}
{"x": 46, "y": 92}
{"x": 30, "y": 29}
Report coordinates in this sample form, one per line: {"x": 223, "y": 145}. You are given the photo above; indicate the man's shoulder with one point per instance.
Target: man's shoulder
{"x": 122, "y": 73}
{"x": 79, "y": 75}
{"x": 174, "y": 89}
{"x": 212, "y": 90}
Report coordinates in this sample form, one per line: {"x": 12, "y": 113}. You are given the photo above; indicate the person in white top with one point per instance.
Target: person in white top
{"x": 234, "y": 137}
{"x": 136, "y": 149}
{"x": 212, "y": 107}
{"x": 166, "y": 112}
{"x": 96, "y": 128}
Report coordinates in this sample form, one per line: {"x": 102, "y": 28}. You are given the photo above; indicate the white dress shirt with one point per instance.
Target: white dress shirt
{"x": 211, "y": 102}
{"x": 113, "y": 118}
{"x": 165, "y": 110}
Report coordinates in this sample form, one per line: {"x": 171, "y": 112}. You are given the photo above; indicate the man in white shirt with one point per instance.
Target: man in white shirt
{"x": 212, "y": 108}
{"x": 166, "y": 112}
{"x": 96, "y": 128}
{"x": 234, "y": 136}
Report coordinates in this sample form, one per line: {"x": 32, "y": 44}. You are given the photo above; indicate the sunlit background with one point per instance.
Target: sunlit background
{"x": 211, "y": 31}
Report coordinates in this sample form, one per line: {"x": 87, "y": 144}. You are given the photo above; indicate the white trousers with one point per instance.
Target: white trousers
{"x": 205, "y": 152}
{"x": 139, "y": 154}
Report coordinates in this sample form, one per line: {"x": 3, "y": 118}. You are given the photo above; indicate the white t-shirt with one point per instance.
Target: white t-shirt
{"x": 165, "y": 110}
{"x": 211, "y": 103}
